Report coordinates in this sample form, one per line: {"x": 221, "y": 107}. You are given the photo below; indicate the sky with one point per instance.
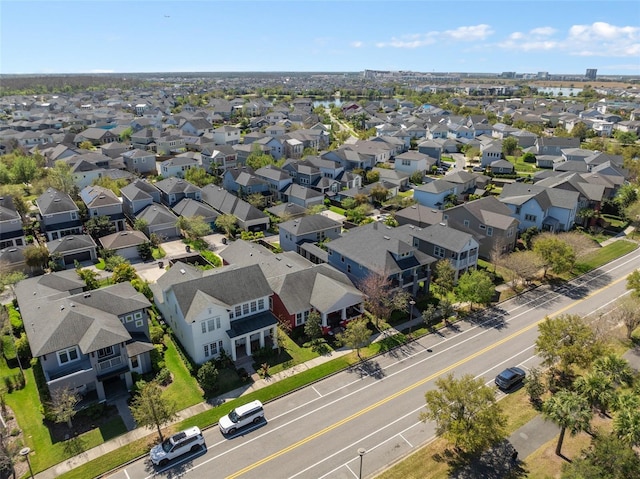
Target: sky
{"x": 122, "y": 36}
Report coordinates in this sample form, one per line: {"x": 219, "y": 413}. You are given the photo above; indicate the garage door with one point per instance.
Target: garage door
{"x": 69, "y": 259}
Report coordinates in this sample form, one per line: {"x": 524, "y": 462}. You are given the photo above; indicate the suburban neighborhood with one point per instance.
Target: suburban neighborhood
{"x": 200, "y": 229}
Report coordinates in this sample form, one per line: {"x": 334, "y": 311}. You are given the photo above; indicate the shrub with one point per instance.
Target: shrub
{"x": 164, "y": 377}
{"x": 208, "y": 377}
{"x": 95, "y": 411}
{"x": 16, "y": 321}
{"x": 22, "y": 347}
{"x": 157, "y": 358}
{"x": 157, "y": 334}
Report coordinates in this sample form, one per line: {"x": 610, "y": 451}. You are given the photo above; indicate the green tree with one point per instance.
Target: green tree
{"x": 257, "y": 200}
{"x": 198, "y": 176}
{"x": 208, "y": 377}
{"x": 9, "y": 278}
{"x": 380, "y": 297}
{"x": 258, "y": 159}
{"x": 615, "y": 368}
{"x": 466, "y": 413}
{"x": 627, "y": 312}
{"x": 36, "y": 257}
{"x": 626, "y": 195}
{"x": 509, "y": 146}
{"x": 444, "y": 277}
{"x": 570, "y": 411}
{"x": 626, "y": 425}
{"x": 633, "y": 283}
{"x": 60, "y": 178}
{"x": 579, "y": 130}
{"x": 87, "y": 145}
{"x": 430, "y": 315}
{"x": 565, "y": 341}
{"x": 90, "y": 277}
{"x": 125, "y": 135}
{"x": 313, "y": 325}
{"x": 607, "y": 457}
{"x": 62, "y": 405}
{"x": 417, "y": 178}
{"x": 24, "y": 169}
{"x": 475, "y": 286}
{"x": 555, "y": 254}
{"x": 356, "y": 335}
{"x": 528, "y": 235}
{"x": 529, "y": 157}
{"x": 194, "y": 227}
{"x": 149, "y": 408}
{"x": 123, "y": 272}
{"x": 145, "y": 251}
{"x": 598, "y": 389}
{"x": 535, "y": 387}
{"x": 227, "y": 223}
{"x": 379, "y": 194}
{"x": 625, "y": 137}
{"x": 99, "y": 226}
{"x": 371, "y": 177}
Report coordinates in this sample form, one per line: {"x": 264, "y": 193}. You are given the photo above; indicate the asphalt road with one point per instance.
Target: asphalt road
{"x": 317, "y": 431}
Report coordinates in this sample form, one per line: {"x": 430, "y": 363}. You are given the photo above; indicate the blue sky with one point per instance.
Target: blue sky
{"x": 84, "y": 36}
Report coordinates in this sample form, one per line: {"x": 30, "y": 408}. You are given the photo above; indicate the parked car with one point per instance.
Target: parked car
{"x": 510, "y": 378}
{"x": 189, "y": 440}
{"x": 478, "y": 169}
{"x": 241, "y": 416}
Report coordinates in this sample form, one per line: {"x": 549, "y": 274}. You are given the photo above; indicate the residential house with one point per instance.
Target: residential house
{"x": 436, "y": 194}
{"x": 591, "y": 191}
{"x": 103, "y": 202}
{"x": 159, "y": 220}
{"x": 414, "y": 162}
{"x": 554, "y": 145}
{"x": 249, "y": 217}
{"x": 169, "y": 144}
{"x": 430, "y": 148}
{"x": 190, "y": 208}
{"x": 490, "y": 221}
{"x": 375, "y": 249}
{"x": 140, "y": 162}
{"x": 303, "y": 196}
{"x": 287, "y": 211}
{"x": 91, "y": 342}
{"x": 136, "y": 196}
{"x": 11, "y": 232}
{"x": 277, "y": 179}
{"x": 219, "y": 158}
{"x": 303, "y": 173}
{"x": 224, "y": 309}
{"x": 71, "y": 248}
{"x": 58, "y": 214}
{"x": 308, "y": 229}
{"x": 501, "y": 167}
{"x": 124, "y": 243}
{"x": 96, "y": 136}
{"x": 548, "y": 209}
{"x": 176, "y": 166}
{"x": 418, "y": 215}
{"x": 445, "y": 243}
{"x": 490, "y": 152}
{"x": 398, "y": 178}
{"x": 12, "y": 259}
{"x": 196, "y": 126}
{"x": 226, "y": 135}
{"x": 173, "y": 190}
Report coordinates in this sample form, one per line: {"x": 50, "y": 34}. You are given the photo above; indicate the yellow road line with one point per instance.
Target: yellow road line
{"x": 412, "y": 386}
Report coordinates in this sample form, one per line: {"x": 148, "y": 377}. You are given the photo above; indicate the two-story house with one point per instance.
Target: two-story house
{"x": 89, "y": 341}
{"x": 176, "y": 166}
{"x": 548, "y": 209}
{"x": 58, "y": 214}
{"x": 436, "y": 194}
{"x": 249, "y": 217}
{"x": 308, "y": 229}
{"x": 226, "y": 135}
{"x": 219, "y": 158}
{"x": 490, "y": 221}
{"x": 141, "y": 162}
{"x": 224, "y": 309}
{"x": 414, "y": 162}
{"x": 103, "y": 202}
{"x": 445, "y": 243}
{"x": 11, "y": 232}
{"x": 376, "y": 249}
{"x": 277, "y": 179}
{"x": 173, "y": 190}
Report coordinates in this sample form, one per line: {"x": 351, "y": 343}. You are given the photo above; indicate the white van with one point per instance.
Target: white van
{"x": 252, "y": 412}
{"x": 189, "y": 440}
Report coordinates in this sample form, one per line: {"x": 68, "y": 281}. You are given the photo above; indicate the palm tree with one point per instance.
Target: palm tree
{"x": 568, "y": 410}
{"x": 598, "y": 389}
{"x": 626, "y": 425}
{"x": 616, "y": 368}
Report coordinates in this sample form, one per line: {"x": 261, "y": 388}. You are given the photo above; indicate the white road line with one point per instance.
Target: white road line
{"x": 406, "y": 440}
{"x": 317, "y": 392}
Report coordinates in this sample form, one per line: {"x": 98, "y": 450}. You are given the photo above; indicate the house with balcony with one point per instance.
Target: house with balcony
{"x": 88, "y": 341}
{"x": 103, "y": 202}
{"x": 11, "y": 232}
{"x": 445, "y": 243}
{"x": 376, "y": 249}
{"x": 300, "y": 287}
{"x": 58, "y": 214}
{"x": 490, "y": 222}
{"x": 224, "y": 309}
{"x": 277, "y": 180}
{"x": 548, "y": 209}
{"x": 219, "y": 158}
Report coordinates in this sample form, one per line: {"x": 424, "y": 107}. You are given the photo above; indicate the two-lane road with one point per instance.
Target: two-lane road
{"x": 316, "y": 432}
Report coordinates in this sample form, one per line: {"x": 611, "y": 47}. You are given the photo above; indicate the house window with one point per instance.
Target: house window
{"x": 483, "y": 227}
{"x": 211, "y": 324}
{"x": 348, "y": 268}
{"x": 299, "y": 319}
{"x": 139, "y": 323}
{"x": 466, "y": 223}
{"x": 261, "y": 304}
{"x": 129, "y": 318}
{"x": 134, "y": 362}
{"x": 509, "y": 232}
{"x": 438, "y": 251}
{"x": 254, "y": 306}
{"x": 138, "y": 315}
{"x": 245, "y": 308}
{"x": 530, "y": 218}
{"x": 238, "y": 311}
{"x": 489, "y": 231}
{"x": 203, "y": 325}
{"x": 217, "y": 318}
{"x": 74, "y": 215}
{"x": 104, "y": 352}
{"x": 68, "y": 355}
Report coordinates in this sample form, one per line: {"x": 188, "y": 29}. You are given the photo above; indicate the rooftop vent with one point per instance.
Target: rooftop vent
{"x": 87, "y": 295}
{"x": 387, "y": 237}
{"x": 182, "y": 271}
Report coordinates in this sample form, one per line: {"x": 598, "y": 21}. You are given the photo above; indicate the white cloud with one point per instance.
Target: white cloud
{"x": 597, "y": 39}
{"x": 357, "y": 44}
{"x": 472, "y": 33}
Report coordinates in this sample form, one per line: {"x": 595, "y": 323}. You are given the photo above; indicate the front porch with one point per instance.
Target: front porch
{"x": 251, "y": 334}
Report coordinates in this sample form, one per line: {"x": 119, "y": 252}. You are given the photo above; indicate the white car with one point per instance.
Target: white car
{"x": 252, "y": 412}
{"x": 189, "y": 440}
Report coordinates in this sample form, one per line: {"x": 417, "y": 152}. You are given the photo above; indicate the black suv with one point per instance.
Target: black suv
{"x": 509, "y": 378}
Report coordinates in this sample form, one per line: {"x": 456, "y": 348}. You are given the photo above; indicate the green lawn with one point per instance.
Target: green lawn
{"x": 338, "y": 210}
{"x": 521, "y": 166}
{"x": 604, "y": 255}
{"x": 406, "y": 194}
{"x": 184, "y": 388}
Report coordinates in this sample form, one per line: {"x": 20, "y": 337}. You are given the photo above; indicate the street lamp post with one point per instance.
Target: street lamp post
{"x": 411, "y": 304}
{"x": 24, "y": 452}
{"x": 362, "y": 451}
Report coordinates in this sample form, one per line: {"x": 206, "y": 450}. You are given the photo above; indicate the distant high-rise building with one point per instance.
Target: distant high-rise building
{"x": 543, "y": 75}
{"x": 591, "y": 73}
{"x": 508, "y": 74}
